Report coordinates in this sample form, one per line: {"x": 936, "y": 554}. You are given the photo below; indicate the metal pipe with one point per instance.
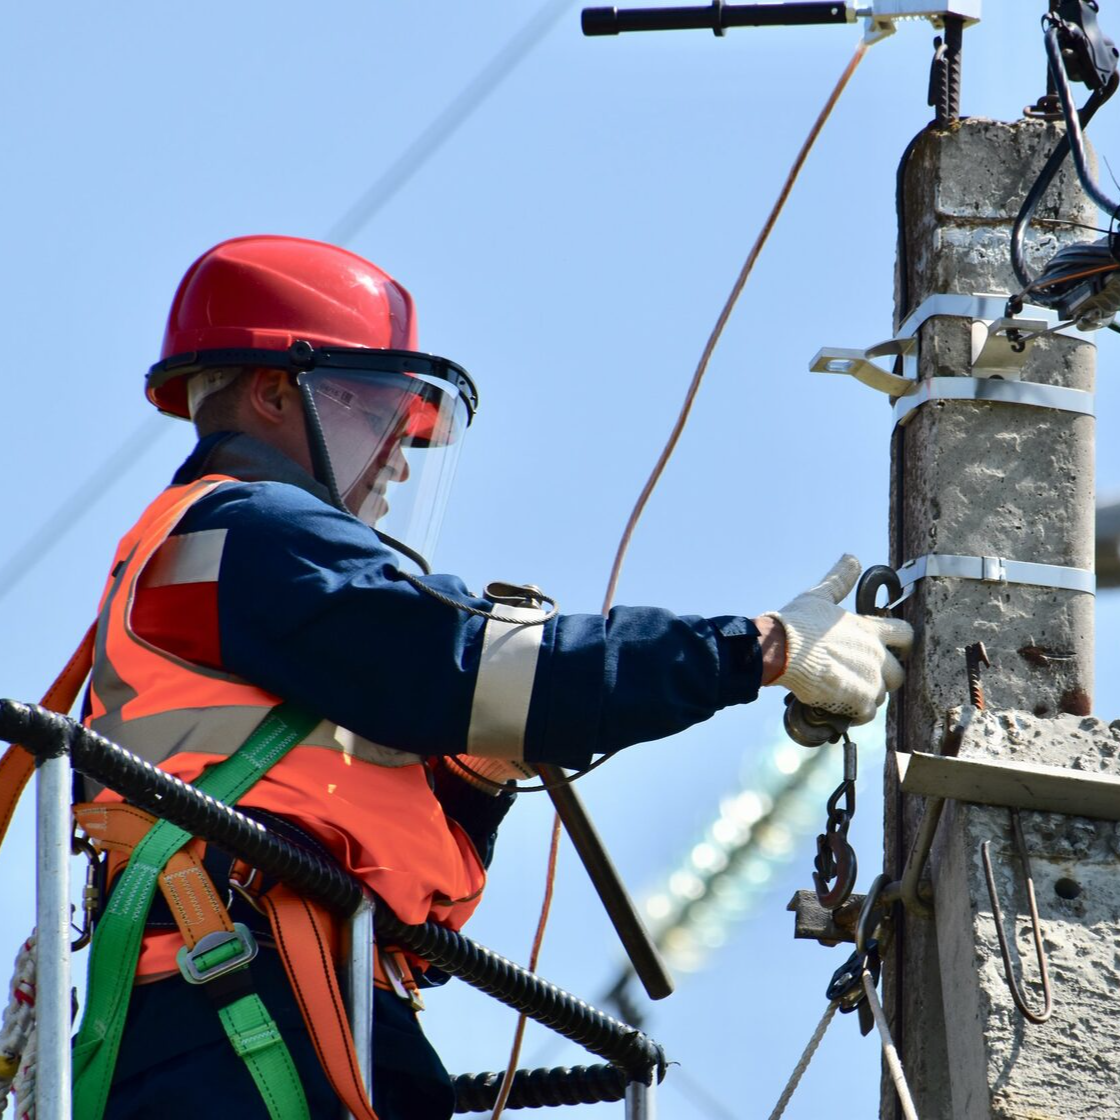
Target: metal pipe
{"x": 714, "y": 17}
{"x": 641, "y": 1100}
{"x": 911, "y": 892}
{"x": 359, "y": 990}
{"x": 52, "y": 920}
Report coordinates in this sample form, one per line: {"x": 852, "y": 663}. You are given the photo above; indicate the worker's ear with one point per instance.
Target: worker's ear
{"x": 272, "y": 396}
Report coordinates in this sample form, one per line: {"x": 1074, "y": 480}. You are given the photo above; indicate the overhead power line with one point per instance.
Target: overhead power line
{"x": 448, "y": 122}
{"x": 58, "y": 525}
{"x": 80, "y": 501}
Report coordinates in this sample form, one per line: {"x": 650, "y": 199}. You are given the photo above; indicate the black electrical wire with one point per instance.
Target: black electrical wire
{"x": 1073, "y": 124}
{"x": 1045, "y": 178}
{"x": 80, "y": 502}
{"x": 447, "y": 123}
{"x": 384, "y": 189}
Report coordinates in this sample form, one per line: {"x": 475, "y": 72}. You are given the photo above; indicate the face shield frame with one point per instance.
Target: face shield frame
{"x": 305, "y": 363}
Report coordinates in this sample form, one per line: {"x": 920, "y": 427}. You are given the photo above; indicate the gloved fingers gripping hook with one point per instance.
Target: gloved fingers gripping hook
{"x": 835, "y": 865}
{"x": 813, "y": 726}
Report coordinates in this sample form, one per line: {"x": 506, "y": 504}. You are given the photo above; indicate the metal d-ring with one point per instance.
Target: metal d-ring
{"x": 1036, "y": 929}
{"x": 865, "y": 924}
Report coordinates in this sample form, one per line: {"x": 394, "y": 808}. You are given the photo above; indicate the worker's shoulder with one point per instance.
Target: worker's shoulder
{"x": 269, "y": 509}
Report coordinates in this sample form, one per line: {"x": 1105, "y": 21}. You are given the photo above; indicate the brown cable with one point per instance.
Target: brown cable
{"x": 655, "y": 476}
{"x": 1096, "y": 270}
{"x": 542, "y": 922}
{"x": 721, "y": 322}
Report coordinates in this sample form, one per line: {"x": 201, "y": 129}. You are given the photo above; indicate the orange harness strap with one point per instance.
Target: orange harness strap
{"x": 305, "y": 936}
{"x": 116, "y": 828}
{"x": 17, "y": 765}
{"x": 303, "y": 932}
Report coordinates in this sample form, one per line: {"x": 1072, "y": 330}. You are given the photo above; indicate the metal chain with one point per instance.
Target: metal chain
{"x": 806, "y": 1058}
{"x": 835, "y": 862}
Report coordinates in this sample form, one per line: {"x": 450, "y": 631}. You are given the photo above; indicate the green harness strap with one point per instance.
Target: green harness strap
{"x": 116, "y": 944}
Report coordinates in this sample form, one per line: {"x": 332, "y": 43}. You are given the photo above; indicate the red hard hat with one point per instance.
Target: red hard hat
{"x": 267, "y": 292}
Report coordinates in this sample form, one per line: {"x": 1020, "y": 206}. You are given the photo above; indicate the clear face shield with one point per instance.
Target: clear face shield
{"x": 387, "y": 440}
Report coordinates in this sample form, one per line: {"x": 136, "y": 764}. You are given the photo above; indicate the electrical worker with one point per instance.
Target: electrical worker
{"x": 286, "y": 562}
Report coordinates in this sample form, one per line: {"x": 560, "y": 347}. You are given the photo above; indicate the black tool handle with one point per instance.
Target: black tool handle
{"x": 635, "y": 938}
{"x": 713, "y": 17}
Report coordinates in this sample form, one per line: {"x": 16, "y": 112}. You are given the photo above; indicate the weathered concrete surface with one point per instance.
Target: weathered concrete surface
{"x": 1002, "y": 1066}
{"x": 979, "y": 479}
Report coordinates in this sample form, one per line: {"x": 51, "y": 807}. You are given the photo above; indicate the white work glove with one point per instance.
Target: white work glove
{"x": 483, "y": 772}
{"x": 836, "y": 660}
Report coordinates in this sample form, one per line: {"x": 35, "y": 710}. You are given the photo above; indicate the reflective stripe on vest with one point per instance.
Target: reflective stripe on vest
{"x": 172, "y": 712}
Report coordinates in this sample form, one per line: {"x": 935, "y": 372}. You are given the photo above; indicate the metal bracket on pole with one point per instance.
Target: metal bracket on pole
{"x": 1015, "y": 785}
{"x": 881, "y": 15}
{"x": 999, "y": 350}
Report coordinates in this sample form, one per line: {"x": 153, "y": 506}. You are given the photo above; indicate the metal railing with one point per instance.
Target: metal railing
{"x": 635, "y": 1062}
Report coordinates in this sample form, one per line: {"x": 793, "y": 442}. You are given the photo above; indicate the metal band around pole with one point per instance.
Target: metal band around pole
{"x": 984, "y": 306}
{"x": 995, "y": 569}
{"x": 994, "y": 389}
{"x": 52, "y": 945}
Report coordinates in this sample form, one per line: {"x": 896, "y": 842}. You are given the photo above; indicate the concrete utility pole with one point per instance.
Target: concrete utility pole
{"x": 989, "y": 479}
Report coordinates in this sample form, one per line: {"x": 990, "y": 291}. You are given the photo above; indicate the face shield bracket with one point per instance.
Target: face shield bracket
{"x": 302, "y": 356}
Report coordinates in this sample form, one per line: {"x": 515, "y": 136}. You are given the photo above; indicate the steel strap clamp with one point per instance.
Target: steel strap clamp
{"x": 981, "y": 389}
{"x": 995, "y": 569}
{"x": 999, "y": 349}
{"x": 216, "y": 954}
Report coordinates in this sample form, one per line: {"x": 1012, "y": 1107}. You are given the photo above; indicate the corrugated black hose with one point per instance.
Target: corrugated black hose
{"x": 46, "y": 734}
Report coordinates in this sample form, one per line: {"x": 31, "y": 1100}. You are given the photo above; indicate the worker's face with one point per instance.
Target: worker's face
{"x": 368, "y": 498}
{"x": 365, "y": 427}
{"x": 392, "y": 439}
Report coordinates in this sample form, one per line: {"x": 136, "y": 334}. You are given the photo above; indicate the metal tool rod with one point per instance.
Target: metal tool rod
{"x": 52, "y": 920}
{"x": 636, "y": 940}
{"x": 359, "y": 991}
{"x": 641, "y": 1101}
{"x": 713, "y": 17}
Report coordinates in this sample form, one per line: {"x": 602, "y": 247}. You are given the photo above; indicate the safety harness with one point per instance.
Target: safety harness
{"x": 143, "y": 854}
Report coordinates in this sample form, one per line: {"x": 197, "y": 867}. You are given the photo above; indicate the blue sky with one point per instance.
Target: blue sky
{"x": 571, "y": 245}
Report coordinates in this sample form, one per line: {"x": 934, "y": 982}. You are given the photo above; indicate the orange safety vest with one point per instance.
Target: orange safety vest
{"x": 369, "y": 805}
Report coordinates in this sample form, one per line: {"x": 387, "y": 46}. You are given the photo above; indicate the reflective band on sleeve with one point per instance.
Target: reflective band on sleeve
{"x": 504, "y": 686}
{"x": 189, "y": 558}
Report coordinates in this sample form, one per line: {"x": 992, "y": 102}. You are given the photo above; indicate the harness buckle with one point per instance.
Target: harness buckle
{"x": 216, "y": 954}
